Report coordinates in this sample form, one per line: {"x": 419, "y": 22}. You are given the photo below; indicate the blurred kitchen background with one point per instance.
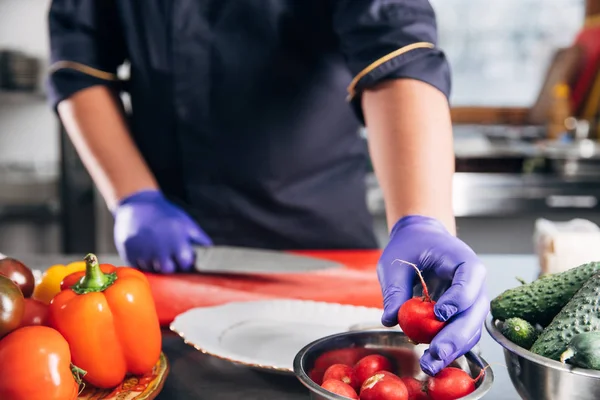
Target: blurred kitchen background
{"x": 526, "y": 97}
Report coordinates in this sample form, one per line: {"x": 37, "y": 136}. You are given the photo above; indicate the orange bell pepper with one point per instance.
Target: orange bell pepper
{"x": 109, "y": 320}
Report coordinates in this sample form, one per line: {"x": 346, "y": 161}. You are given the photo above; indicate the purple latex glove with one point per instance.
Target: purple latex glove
{"x": 454, "y": 276}
{"x": 153, "y": 234}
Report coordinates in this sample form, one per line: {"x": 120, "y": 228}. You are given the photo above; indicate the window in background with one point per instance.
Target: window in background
{"x": 500, "y": 50}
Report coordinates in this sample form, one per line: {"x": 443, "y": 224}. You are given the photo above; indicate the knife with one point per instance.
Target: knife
{"x": 242, "y": 260}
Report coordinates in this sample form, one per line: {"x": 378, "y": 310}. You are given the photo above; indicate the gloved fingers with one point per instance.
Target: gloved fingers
{"x": 184, "y": 257}
{"x": 458, "y": 337}
{"x": 468, "y": 280}
{"x": 164, "y": 264}
{"x": 397, "y": 287}
{"x": 175, "y": 252}
{"x": 136, "y": 252}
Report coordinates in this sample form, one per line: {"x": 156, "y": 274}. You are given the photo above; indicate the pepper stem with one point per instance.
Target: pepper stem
{"x": 425, "y": 290}
{"x": 78, "y": 375}
{"x": 94, "y": 280}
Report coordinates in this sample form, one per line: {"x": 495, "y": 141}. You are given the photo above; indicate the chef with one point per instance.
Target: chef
{"x": 243, "y": 130}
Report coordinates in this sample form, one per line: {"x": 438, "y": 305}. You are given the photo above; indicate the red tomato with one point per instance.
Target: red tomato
{"x": 39, "y": 361}
{"x": 383, "y": 387}
{"x": 367, "y": 366}
{"x": 36, "y": 313}
{"x": 341, "y": 388}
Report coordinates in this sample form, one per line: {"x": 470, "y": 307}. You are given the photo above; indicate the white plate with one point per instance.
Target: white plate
{"x": 268, "y": 334}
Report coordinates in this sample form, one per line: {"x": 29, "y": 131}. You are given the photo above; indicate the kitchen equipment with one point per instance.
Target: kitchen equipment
{"x": 580, "y": 158}
{"x": 266, "y": 335}
{"x": 241, "y": 260}
{"x": 539, "y": 378}
{"x": 18, "y": 71}
{"x": 381, "y": 341}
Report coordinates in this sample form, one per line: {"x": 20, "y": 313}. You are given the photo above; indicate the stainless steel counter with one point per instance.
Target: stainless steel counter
{"x": 198, "y": 376}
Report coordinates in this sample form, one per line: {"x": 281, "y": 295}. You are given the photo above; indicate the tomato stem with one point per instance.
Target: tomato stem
{"x": 426, "y": 296}
{"x": 94, "y": 280}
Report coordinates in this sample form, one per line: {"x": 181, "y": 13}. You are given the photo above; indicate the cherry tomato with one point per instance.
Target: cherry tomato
{"x": 36, "y": 313}
{"x": 39, "y": 362}
{"x": 18, "y": 272}
{"x": 12, "y": 306}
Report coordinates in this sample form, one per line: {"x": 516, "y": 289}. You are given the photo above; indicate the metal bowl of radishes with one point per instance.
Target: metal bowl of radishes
{"x": 383, "y": 364}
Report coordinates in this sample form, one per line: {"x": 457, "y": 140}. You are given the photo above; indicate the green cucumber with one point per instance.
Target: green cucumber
{"x": 581, "y": 314}
{"x": 583, "y": 351}
{"x": 538, "y": 302}
{"x": 520, "y": 332}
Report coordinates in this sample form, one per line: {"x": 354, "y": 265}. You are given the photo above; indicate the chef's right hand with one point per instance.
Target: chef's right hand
{"x": 153, "y": 234}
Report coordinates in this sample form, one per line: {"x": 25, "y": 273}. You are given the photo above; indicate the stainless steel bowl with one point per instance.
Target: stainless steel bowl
{"x": 540, "y": 378}
{"x": 384, "y": 341}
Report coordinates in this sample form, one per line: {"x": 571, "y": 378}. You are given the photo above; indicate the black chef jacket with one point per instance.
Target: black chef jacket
{"x": 248, "y": 111}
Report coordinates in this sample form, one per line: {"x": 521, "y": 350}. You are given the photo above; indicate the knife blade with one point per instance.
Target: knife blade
{"x": 242, "y": 260}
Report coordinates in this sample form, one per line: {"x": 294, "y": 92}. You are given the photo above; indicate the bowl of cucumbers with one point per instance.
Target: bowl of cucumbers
{"x": 550, "y": 333}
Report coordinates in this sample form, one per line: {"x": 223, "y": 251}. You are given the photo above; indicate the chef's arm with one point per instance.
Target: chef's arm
{"x": 400, "y": 90}
{"x": 410, "y": 140}
{"x": 86, "y": 49}
{"x": 94, "y": 122}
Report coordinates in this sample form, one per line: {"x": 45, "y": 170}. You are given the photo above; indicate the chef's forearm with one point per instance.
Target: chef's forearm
{"x": 95, "y": 124}
{"x": 411, "y": 145}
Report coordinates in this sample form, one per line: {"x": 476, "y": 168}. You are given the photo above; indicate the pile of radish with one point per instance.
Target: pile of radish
{"x": 374, "y": 377}
{"x": 357, "y": 373}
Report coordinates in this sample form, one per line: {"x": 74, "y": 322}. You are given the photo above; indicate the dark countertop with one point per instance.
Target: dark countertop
{"x": 201, "y": 377}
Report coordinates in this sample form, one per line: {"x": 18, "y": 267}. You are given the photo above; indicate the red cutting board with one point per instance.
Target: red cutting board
{"x": 355, "y": 284}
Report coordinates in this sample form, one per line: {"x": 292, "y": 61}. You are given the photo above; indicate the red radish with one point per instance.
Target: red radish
{"x": 451, "y": 383}
{"x": 339, "y": 387}
{"x": 383, "y": 387}
{"x": 387, "y": 374}
{"x": 416, "y": 388}
{"x": 416, "y": 317}
{"x": 405, "y": 361}
{"x": 316, "y": 376}
{"x": 367, "y": 366}
{"x": 340, "y": 372}
{"x": 348, "y": 356}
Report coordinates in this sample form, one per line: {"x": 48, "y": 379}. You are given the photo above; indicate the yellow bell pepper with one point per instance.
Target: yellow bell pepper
{"x": 49, "y": 286}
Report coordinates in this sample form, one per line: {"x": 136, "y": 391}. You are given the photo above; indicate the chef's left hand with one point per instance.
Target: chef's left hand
{"x": 451, "y": 270}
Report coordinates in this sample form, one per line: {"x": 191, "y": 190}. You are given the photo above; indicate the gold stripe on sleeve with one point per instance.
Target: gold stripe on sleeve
{"x": 96, "y": 73}
{"x": 384, "y": 59}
